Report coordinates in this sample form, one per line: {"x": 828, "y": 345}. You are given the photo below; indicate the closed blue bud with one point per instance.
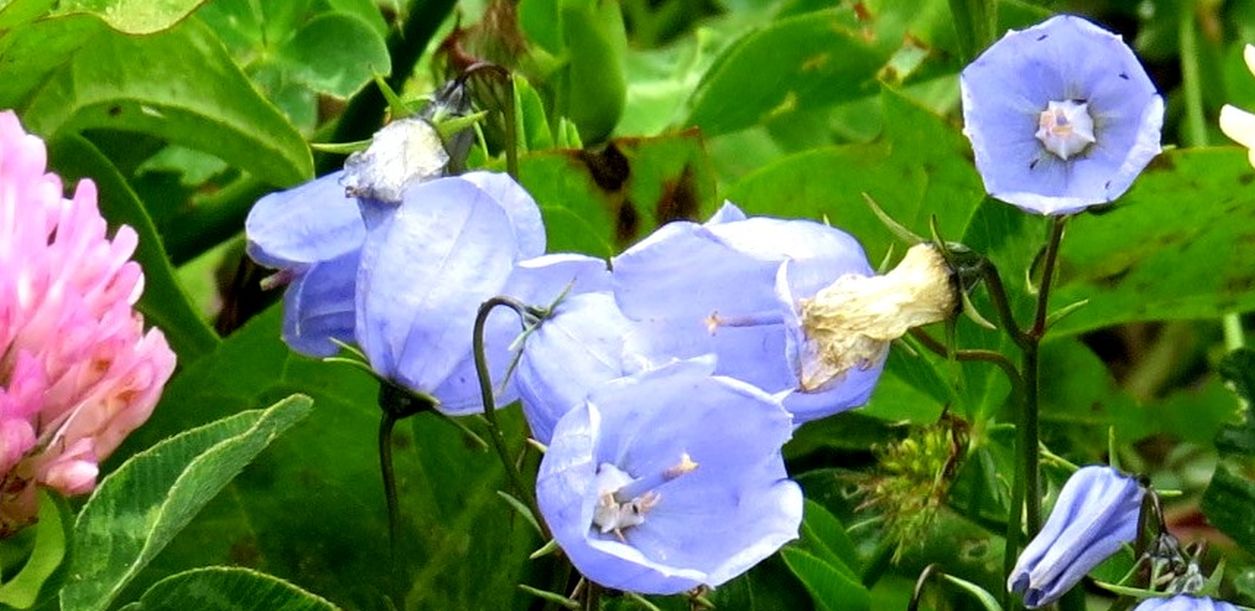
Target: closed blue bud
{"x": 1096, "y": 513}
{"x": 1061, "y": 116}
{"x": 1184, "y": 602}
{"x": 670, "y": 479}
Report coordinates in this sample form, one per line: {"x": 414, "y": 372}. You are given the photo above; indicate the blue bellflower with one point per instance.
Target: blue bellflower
{"x": 313, "y": 233}
{"x": 576, "y": 349}
{"x": 711, "y": 288}
{"x": 1095, "y": 514}
{"x": 670, "y": 479}
{"x": 450, "y": 245}
{"x": 1061, "y": 116}
{"x": 1184, "y": 602}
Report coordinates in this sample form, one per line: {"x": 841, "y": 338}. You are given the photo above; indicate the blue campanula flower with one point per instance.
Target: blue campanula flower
{"x": 712, "y": 288}
{"x": 450, "y": 245}
{"x": 1061, "y": 116}
{"x": 1184, "y": 602}
{"x": 314, "y": 234}
{"x": 670, "y": 479}
{"x": 577, "y": 348}
{"x": 1095, "y": 514}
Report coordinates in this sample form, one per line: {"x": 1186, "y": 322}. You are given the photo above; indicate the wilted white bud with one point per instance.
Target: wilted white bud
{"x": 851, "y": 322}
{"x": 403, "y": 153}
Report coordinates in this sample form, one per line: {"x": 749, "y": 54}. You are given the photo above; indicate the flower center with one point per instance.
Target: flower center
{"x": 623, "y": 501}
{"x": 1065, "y": 128}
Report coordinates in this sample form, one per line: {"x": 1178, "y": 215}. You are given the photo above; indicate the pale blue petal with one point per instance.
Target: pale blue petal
{"x": 726, "y": 213}
{"x": 536, "y": 282}
{"x": 424, "y": 273}
{"x": 318, "y": 306}
{"x": 1184, "y": 602}
{"x": 1063, "y": 58}
{"x": 519, "y": 206}
{"x": 577, "y": 348}
{"x": 1095, "y": 514}
{"x": 306, "y": 224}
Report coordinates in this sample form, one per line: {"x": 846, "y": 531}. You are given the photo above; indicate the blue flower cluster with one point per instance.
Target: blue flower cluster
{"x": 622, "y": 376}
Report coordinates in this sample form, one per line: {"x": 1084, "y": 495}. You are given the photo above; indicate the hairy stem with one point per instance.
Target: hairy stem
{"x": 496, "y": 436}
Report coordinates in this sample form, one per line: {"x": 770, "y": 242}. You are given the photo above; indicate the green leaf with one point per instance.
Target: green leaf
{"x": 212, "y": 108}
{"x": 32, "y": 52}
{"x": 829, "y": 587}
{"x": 824, "y": 536}
{"x": 986, "y": 599}
{"x": 1238, "y": 368}
{"x": 22, "y": 590}
{"x": 133, "y": 16}
{"x": 1227, "y": 504}
{"x": 812, "y": 60}
{"x": 140, "y": 507}
{"x": 164, "y": 302}
{"x": 599, "y": 201}
{"x": 319, "y": 55}
{"x": 311, "y": 509}
{"x": 1154, "y": 255}
{"x": 591, "y": 86}
{"x": 917, "y": 168}
{"x": 227, "y": 589}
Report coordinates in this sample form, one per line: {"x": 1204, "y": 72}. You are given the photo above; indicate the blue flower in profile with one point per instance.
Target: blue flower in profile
{"x": 1095, "y": 514}
{"x": 450, "y": 245}
{"x": 711, "y": 288}
{"x": 578, "y": 347}
{"x": 669, "y": 479}
{"x": 1184, "y": 602}
{"x": 313, "y": 233}
{"x": 1061, "y": 116}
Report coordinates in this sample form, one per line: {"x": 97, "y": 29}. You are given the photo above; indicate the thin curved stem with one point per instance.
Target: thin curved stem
{"x": 1002, "y": 303}
{"x": 495, "y": 434}
{"x": 1047, "y": 276}
{"x": 988, "y": 356}
{"x": 509, "y": 118}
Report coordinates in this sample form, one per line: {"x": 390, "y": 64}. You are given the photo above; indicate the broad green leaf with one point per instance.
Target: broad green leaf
{"x": 1177, "y": 246}
{"x": 591, "y": 86}
{"x": 22, "y": 590}
{"x": 32, "y": 52}
{"x": 311, "y": 509}
{"x": 795, "y": 63}
{"x": 318, "y": 55}
{"x": 916, "y": 169}
{"x": 164, "y": 303}
{"x": 824, "y": 536}
{"x": 133, "y": 16}
{"x": 212, "y": 108}
{"x": 829, "y": 587}
{"x": 766, "y": 587}
{"x": 140, "y": 507}
{"x": 1227, "y": 504}
{"x": 599, "y": 201}
{"x": 222, "y": 588}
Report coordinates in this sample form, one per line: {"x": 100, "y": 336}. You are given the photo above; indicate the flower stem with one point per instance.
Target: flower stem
{"x": 387, "y": 422}
{"x": 495, "y": 435}
{"x": 1026, "y": 490}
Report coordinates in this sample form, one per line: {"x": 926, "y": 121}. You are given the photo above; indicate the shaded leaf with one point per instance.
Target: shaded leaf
{"x": 829, "y": 587}
{"x": 22, "y": 590}
{"x": 227, "y": 589}
{"x": 140, "y": 507}
{"x": 164, "y": 303}
{"x": 213, "y": 108}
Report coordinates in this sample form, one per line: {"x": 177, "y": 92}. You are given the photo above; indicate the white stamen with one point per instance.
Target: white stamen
{"x": 1066, "y": 128}
{"x": 623, "y": 502}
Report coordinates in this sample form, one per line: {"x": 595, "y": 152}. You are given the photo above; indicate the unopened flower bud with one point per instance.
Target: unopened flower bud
{"x": 403, "y": 153}
{"x": 851, "y": 322}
